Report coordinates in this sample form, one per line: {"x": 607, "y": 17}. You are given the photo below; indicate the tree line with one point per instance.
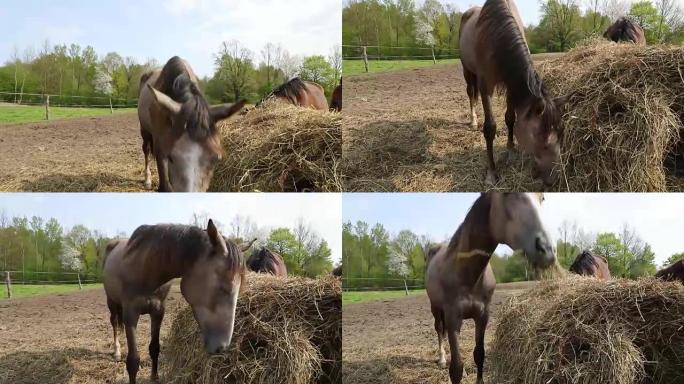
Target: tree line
{"x": 402, "y": 23}
{"x": 374, "y": 258}
{"x": 33, "y": 246}
{"x": 72, "y": 70}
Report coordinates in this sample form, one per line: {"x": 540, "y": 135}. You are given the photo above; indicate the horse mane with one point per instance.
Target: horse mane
{"x": 289, "y": 90}
{"x": 507, "y": 45}
{"x": 584, "y": 262}
{"x": 187, "y": 241}
{"x": 624, "y": 29}
{"x": 264, "y": 260}
{"x": 480, "y": 205}
{"x": 177, "y": 84}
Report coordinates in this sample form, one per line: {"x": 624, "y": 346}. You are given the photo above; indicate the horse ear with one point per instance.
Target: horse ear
{"x": 225, "y": 111}
{"x": 212, "y": 231}
{"x": 560, "y": 101}
{"x": 165, "y": 101}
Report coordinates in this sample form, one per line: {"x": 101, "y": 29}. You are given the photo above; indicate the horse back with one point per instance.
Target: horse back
{"x": 315, "y": 95}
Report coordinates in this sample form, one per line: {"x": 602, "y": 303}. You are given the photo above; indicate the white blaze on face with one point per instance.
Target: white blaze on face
{"x": 185, "y": 170}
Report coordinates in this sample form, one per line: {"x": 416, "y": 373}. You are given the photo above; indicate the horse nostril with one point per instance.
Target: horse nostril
{"x": 539, "y": 246}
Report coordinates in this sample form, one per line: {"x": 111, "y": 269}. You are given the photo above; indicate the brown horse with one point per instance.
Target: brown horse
{"x": 300, "y": 93}
{"x": 179, "y": 126}
{"x": 267, "y": 261}
{"x": 459, "y": 280}
{"x": 336, "y": 100}
{"x": 587, "y": 264}
{"x": 672, "y": 273}
{"x": 137, "y": 278}
{"x": 624, "y": 29}
{"x": 494, "y": 55}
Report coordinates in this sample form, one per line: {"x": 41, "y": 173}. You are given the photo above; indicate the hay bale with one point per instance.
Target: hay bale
{"x": 586, "y": 331}
{"x": 625, "y": 118}
{"x": 288, "y": 330}
{"x": 281, "y": 148}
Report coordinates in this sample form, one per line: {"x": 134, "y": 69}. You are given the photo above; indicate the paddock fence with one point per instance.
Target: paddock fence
{"x": 370, "y": 53}
{"x": 66, "y": 101}
{"x": 364, "y": 284}
{"x": 45, "y": 278}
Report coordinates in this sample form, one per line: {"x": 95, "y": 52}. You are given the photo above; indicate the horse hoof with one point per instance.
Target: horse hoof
{"x": 117, "y": 357}
{"x": 148, "y": 185}
{"x": 491, "y": 178}
{"x": 442, "y": 364}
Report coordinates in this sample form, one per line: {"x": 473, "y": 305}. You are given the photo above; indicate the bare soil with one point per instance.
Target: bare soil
{"x": 394, "y": 341}
{"x": 410, "y": 131}
{"x": 67, "y": 338}
{"x": 92, "y": 154}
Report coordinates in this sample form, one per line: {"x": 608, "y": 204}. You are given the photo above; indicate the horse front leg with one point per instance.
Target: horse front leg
{"x": 510, "y": 123}
{"x": 156, "y": 317}
{"x": 147, "y": 149}
{"x": 489, "y": 130}
{"x": 133, "y": 358}
{"x": 116, "y": 321}
{"x": 438, "y": 314}
{"x": 479, "y": 352}
{"x": 453, "y": 325}
{"x": 162, "y": 168}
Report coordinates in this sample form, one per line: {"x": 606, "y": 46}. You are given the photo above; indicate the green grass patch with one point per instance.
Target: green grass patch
{"x": 356, "y": 67}
{"x": 362, "y": 297}
{"x": 19, "y": 290}
{"x": 33, "y": 113}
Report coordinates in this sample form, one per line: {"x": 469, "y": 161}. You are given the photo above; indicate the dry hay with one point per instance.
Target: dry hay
{"x": 281, "y": 148}
{"x": 287, "y": 331}
{"x": 586, "y": 331}
{"x": 624, "y": 118}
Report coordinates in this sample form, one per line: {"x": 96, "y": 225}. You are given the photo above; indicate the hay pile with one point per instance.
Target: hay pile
{"x": 585, "y": 331}
{"x": 281, "y": 148}
{"x": 287, "y": 331}
{"x": 625, "y": 118}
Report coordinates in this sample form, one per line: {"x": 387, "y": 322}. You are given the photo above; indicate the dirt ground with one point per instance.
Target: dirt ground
{"x": 67, "y": 338}
{"x": 93, "y": 154}
{"x": 394, "y": 341}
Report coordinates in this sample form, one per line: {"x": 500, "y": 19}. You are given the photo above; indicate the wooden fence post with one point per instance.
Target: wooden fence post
{"x": 406, "y": 288}
{"x": 8, "y": 282}
{"x": 365, "y": 58}
{"x": 111, "y": 108}
{"x": 47, "y": 107}
{"x": 79, "y": 281}
{"x": 434, "y": 59}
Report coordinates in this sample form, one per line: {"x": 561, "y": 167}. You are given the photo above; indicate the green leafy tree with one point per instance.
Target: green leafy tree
{"x": 673, "y": 259}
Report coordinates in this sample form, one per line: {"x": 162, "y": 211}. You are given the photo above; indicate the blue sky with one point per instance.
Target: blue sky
{"x": 657, "y": 218}
{"x": 192, "y": 29}
{"x": 113, "y": 213}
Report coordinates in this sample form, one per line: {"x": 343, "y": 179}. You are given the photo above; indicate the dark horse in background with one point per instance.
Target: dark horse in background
{"x": 674, "y": 272}
{"x": 336, "y": 100}
{"x": 267, "y": 261}
{"x": 299, "y": 93}
{"x": 587, "y": 264}
{"x": 624, "y": 29}
{"x": 494, "y": 54}
{"x": 460, "y": 282}
{"x": 137, "y": 278}
{"x": 179, "y": 127}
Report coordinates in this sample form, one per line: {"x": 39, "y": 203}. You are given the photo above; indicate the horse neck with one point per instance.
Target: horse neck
{"x": 163, "y": 267}
{"x": 472, "y": 246}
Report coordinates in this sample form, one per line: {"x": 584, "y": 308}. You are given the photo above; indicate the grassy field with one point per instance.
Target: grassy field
{"x": 362, "y": 297}
{"x": 28, "y": 114}
{"x": 19, "y": 290}
{"x": 355, "y": 67}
